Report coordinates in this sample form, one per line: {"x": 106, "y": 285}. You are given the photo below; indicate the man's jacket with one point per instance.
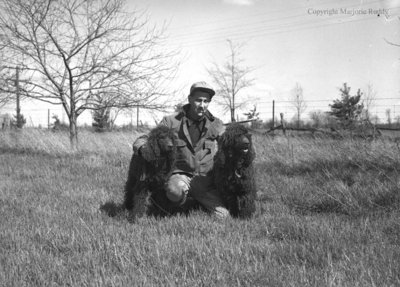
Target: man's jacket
{"x": 192, "y": 159}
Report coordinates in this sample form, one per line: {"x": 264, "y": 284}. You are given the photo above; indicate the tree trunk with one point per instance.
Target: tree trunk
{"x": 233, "y": 115}
{"x": 298, "y": 119}
{"x": 19, "y": 119}
{"x": 73, "y": 133}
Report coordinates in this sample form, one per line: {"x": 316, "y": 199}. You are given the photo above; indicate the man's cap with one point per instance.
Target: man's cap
{"x": 202, "y": 86}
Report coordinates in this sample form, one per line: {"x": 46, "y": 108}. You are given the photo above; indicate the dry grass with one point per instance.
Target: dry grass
{"x": 327, "y": 215}
{"x": 47, "y": 141}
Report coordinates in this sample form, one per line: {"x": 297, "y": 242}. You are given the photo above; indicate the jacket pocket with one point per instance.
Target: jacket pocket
{"x": 209, "y": 149}
{"x": 210, "y": 145}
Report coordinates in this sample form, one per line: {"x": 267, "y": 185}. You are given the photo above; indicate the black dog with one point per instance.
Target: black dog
{"x": 234, "y": 171}
{"x": 148, "y": 173}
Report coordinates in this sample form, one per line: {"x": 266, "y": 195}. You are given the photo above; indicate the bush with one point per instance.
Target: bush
{"x": 19, "y": 121}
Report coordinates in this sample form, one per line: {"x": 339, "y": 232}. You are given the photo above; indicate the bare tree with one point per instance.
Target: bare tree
{"x": 369, "y": 100}
{"x": 231, "y": 78}
{"x": 318, "y": 118}
{"x": 5, "y": 96}
{"x": 298, "y": 102}
{"x": 7, "y": 81}
{"x": 4, "y": 99}
{"x": 71, "y": 51}
{"x": 10, "y": 92}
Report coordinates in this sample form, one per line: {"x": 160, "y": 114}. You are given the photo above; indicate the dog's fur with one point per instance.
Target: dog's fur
{"x": 234, "y": 171}
{"x": 148, "y": 173}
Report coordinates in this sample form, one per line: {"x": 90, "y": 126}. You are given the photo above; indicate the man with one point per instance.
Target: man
{"x": 197, "y": 130}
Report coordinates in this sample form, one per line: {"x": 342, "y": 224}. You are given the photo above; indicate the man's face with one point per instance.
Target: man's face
{"x": 199, "y": 102}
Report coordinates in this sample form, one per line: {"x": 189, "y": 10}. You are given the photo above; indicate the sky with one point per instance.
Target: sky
{"x": 318, "y": 44}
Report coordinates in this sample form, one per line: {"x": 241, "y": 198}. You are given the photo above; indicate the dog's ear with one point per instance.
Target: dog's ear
{"x": 220, "y": 158}
{"x": 146, "y": 152}
{"x": 251, "y": 154}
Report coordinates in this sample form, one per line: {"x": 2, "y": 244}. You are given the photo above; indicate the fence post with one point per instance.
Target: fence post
{"x": 283, "y": 124}
{"x": 273, "y": 115}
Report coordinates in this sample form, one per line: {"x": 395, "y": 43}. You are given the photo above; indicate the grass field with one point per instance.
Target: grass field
{"x": 328, "y": 214}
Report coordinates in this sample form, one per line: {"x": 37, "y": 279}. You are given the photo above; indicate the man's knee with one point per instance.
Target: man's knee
{"x": 177, "y": 188}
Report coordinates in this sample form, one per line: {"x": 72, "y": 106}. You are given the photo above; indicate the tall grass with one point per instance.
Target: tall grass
{"x": 326, "y": 175}
{"x": 47, "y": 141}
{"x": 327, "y": 215}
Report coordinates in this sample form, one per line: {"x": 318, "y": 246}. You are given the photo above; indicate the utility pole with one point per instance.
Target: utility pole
{"x": 233, "y": 86}
{"x": 273, "y": 114}
{"x": 283, "y": 124}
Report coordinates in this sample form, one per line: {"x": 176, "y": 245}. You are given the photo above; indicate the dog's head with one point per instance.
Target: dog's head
{"x": 161, "y": 144}
{"x": 236, "y": 146}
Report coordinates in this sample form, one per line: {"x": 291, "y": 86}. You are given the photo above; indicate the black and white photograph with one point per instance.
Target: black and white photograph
{"x": 200, "y": 143}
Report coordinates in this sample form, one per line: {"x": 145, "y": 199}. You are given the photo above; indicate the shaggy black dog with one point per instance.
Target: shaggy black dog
{"x": 234, "y": 171}
{"x": 148, "y": 173}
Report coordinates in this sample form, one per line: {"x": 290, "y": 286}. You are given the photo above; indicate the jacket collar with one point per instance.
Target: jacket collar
{"x": 183, "y": 114}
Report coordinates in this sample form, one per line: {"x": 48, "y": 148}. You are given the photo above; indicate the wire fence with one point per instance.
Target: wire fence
{"x": 382, "y": 110}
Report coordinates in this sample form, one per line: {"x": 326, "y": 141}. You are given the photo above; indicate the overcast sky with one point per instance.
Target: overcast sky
{"x": 319, "y": 44}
